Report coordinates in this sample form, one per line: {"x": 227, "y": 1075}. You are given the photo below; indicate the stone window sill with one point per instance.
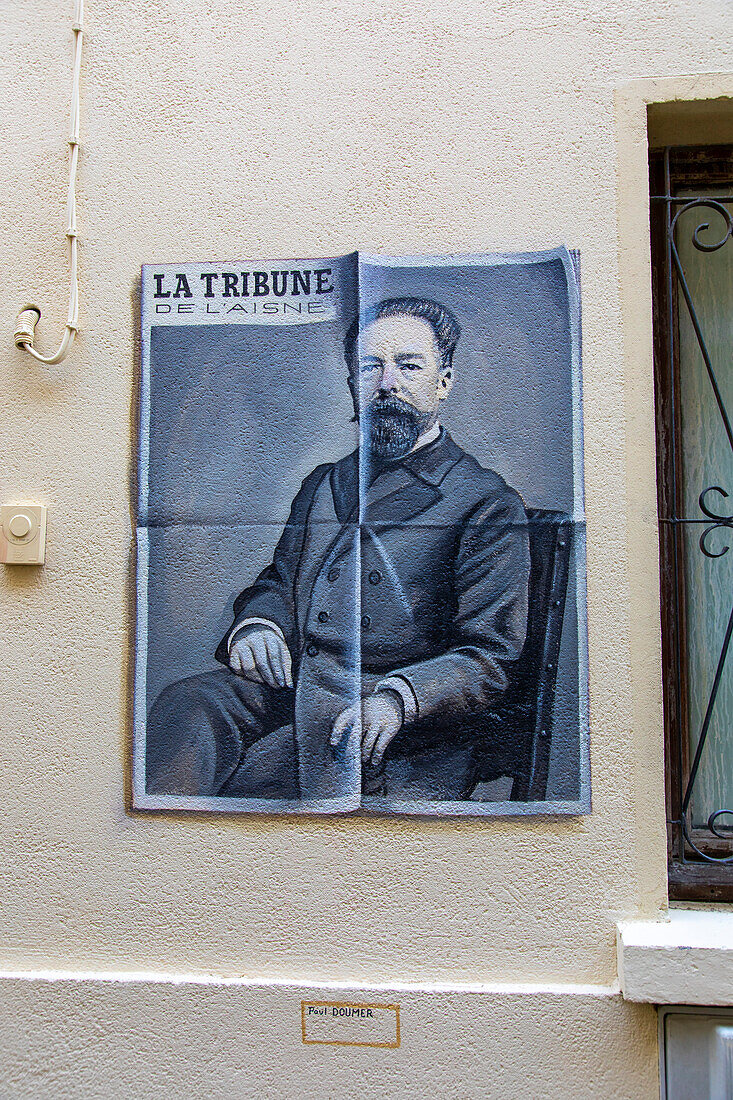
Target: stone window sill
{"x": 685, "y": 959}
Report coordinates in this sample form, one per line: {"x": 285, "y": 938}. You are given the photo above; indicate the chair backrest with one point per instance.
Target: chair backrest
{"x": 519, "y": 745}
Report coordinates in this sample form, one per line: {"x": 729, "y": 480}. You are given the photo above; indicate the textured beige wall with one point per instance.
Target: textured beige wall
{"x": 279, "y": 129}
{"x": 229, "y": 1042}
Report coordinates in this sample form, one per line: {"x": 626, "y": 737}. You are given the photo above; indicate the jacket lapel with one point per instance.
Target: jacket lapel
{"x": 345, "y": 487}
{"x": 406, "y": 489}
{"x": 401, "y": 491}
{"x": 398, "y": 495}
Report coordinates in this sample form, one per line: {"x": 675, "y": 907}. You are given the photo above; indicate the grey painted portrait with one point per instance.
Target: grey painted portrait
{"x": 361, "y": 538}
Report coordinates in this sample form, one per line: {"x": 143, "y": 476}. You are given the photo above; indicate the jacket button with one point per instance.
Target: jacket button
{"x": 375, "y": 576}
{"x": 311, "y": 650}
{"x": 334, "y": 574}
{"x": 366, "y": 621}
{"x": 323, "y": 616}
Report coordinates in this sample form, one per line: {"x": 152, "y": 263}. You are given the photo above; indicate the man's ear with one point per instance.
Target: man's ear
{"x": 446, "y": 383}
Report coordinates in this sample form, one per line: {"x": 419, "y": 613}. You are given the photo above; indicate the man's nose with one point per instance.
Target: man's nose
{"x": 388, "y": 379}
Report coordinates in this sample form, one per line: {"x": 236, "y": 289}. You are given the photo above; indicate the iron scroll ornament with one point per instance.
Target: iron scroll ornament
{"x": 712, "y": 204}
{"x": 720, "y": 521}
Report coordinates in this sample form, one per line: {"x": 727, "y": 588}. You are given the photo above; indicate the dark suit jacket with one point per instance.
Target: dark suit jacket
{"x": 444, "y": 572}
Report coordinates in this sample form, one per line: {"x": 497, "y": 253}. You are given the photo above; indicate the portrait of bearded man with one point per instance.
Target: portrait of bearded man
{"x": 389, "y": 619}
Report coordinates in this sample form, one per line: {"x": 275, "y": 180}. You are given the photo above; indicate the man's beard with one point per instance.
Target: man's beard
{"x": 392, "y": 427}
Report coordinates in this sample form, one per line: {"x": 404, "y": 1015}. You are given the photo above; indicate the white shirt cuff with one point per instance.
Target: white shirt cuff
{"x": 404, "y": 689}
{"x": 246, "y": 624}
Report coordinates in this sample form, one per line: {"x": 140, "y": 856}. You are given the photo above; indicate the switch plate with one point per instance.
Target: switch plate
{"x": 23, "y": 534}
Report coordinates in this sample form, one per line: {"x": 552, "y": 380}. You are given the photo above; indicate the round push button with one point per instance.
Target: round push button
{"x": 323, "y": 616}
{"x": 311, "y": 650}
{"x": 20, "y": 525}
{"x": 375, "y": 576}
{"x": 334, "y": 575}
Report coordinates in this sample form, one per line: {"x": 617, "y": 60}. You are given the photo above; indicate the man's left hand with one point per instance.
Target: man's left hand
{"x": 380, "y": 720}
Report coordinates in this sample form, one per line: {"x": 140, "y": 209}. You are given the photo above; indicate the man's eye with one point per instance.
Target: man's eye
{"x": 365, "y": 366}
{"x": 410, "y": 366}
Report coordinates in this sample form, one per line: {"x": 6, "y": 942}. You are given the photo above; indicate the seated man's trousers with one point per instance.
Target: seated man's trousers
{"x": 220, "y": 734}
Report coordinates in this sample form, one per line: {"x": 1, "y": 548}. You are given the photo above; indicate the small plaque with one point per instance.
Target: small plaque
{"x": 350, "y": 1023}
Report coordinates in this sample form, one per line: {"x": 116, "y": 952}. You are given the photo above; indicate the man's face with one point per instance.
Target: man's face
{"x": 400, "y": 382}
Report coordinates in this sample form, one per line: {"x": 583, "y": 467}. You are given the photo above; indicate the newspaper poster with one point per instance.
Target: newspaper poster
{"x": 360, "y": 537}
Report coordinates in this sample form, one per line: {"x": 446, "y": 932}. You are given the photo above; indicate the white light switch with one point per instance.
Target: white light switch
{"x": 23, "y": 534}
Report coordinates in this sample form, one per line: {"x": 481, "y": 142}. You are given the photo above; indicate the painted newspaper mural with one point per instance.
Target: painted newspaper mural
{"x": 360, "y": 537}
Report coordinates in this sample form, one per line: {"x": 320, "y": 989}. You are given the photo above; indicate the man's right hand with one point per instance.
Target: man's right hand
{"x": 261, "y": 655}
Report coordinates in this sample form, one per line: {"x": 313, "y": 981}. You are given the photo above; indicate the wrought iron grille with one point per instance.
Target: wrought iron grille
{"x": 682, "y": 203}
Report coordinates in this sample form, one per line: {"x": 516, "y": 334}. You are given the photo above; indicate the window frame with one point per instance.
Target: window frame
{"x": 672, "y": 169}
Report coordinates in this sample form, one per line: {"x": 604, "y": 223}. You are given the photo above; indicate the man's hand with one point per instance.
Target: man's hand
{"x": 261, "y": 655}
{"x": 380, "y": 719}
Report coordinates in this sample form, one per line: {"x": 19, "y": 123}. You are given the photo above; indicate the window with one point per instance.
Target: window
{"x": 692, "y": 261}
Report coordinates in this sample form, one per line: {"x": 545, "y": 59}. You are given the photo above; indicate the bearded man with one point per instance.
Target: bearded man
{"x": 389, "y": 619}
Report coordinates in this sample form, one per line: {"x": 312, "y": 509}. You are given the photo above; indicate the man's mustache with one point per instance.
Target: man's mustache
{"x": 383, "y": 407}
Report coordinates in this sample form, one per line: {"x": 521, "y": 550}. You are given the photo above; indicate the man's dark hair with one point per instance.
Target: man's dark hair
{"x": 444, "y": 325}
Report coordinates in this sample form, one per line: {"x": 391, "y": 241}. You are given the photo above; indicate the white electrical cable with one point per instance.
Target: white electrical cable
{"x": 29, "y": 316}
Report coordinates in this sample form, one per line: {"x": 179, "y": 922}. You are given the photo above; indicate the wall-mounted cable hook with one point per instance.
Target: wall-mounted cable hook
{"x": 29, "y": 316}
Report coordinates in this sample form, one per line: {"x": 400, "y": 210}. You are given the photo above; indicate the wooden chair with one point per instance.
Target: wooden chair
{"x": 515, "y": 740}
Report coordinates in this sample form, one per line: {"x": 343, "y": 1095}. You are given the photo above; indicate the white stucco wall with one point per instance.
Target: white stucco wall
{"x": 217, "y": 130}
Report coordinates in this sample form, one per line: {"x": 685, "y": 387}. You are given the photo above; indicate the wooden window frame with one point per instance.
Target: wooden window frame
{"x": 671, "y": 171}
